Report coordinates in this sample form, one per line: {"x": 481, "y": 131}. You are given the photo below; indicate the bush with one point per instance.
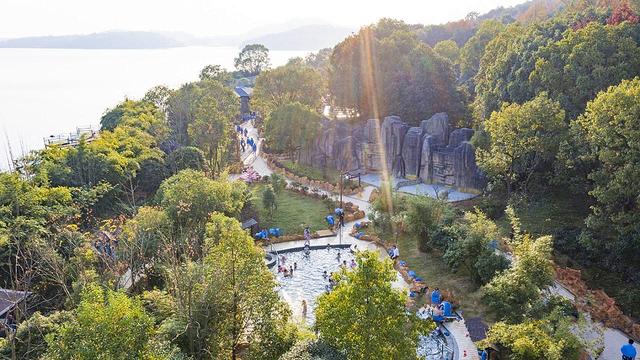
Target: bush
{"x": 424, "y": 216}
{"x": 312, "y": 350}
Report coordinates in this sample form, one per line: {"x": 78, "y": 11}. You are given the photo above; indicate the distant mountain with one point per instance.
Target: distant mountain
{"x": 309, "y": 37}
{"x": 104, "y": 40}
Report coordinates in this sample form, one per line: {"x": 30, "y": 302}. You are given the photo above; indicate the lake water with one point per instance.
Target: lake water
{"x": 47, "y": 92}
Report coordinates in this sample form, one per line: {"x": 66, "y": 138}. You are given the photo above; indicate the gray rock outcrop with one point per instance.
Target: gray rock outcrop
{"x": 431, "y": 153}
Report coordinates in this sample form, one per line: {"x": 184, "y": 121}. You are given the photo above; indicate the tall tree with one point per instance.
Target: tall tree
{"x": 610, "y": 131}
{"x": 212, "y": 124}
{"x": 513, "y": 293}
{"x": 524, "y": 138}
{"x": 215, "y": 72}
{"x": 252, "y": 59}
{"x": 250, "y": 310}
{"x": 379, "y": 325}
{"x": 448, "y": 49}
{"x": 291, "y": 128}
{"x": 108, "y": 325}
{"x": 386, "y": 70}
{"x": 287, "y": 84}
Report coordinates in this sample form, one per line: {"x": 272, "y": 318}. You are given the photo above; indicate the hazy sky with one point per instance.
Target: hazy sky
{"x": 217, "y": 17}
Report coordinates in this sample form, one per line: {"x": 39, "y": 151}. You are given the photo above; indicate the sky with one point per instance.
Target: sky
{"x": 217, "y": 17}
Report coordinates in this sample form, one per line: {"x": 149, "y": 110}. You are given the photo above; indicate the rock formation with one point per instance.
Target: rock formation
{"x": 431, "y": 153}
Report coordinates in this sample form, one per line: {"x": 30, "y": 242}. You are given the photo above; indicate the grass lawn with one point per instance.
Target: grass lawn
{"x": 436, "y": 273}
{"x": 547, "y": 213}
{"x": 294, "y": 210}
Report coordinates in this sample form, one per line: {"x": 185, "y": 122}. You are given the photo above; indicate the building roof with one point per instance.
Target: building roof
{"x": 244, "y": 91}
{"x": 477, "y": 328}
{"x": 249, "y": 223}
{"x": 10, "y": 298}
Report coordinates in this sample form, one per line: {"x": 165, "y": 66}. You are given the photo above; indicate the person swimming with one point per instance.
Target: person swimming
{"x": 325, "y": 275}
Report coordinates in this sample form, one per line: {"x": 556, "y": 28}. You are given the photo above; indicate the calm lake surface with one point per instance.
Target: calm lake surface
{"x": 52, "y": 91}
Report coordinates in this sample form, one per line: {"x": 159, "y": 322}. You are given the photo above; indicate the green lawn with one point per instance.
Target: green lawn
{"x": 294, "y": 210}
{"x": 436, "y": 273}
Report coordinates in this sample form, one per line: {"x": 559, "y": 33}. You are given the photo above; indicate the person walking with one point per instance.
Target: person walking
{"x": 628, "y": 351}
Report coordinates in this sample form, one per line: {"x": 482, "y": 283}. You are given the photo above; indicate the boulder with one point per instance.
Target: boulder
{"x": 391, "y": 134}
{"x": 411, "y": 152}
{"x": 426, "y": 161}
{"x": 466, "y": 172}
{"x": 458, "y": 136}
{"x": 438, "y": 127}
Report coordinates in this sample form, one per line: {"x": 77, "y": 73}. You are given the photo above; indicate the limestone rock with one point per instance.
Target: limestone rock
{"x": 411, "y": 151}
{"x": 438, "y": 127}
{"x": 426, "y": 161}
{"x": 467, "y": 174}
{"x": 458, "y": 136}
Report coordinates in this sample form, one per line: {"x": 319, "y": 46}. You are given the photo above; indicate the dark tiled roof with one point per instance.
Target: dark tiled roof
{"x": 9, "y": 298}
{"x": 477, "y": 328}
{"x": 249, "y": 223}
{"x": 243, "y": 91}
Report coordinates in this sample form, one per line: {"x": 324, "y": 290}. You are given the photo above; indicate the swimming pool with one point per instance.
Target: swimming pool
{"x": 308, "y": 283}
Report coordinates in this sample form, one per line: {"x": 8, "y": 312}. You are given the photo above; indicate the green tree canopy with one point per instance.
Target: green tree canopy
{"x": 291, "y": 128}
{"x": 108, "y": 325}
{"x": 610, "y": 131}
{"x": 215, "y": 72}
{"x": 378, "y": 325}
{"x": 513, "y": 293}
{"x": 186, "y": 157}
{"x": 386, "y": 70}
{"x": 473, "y": 49}
{"x": 524, "y": 141}
{"x": 448, "y": 49}
{"x": 253, "y": 59}
{"x": 251, "y": 310}
{"x": 190, "y": 196}
{"x": 288, "y": 84}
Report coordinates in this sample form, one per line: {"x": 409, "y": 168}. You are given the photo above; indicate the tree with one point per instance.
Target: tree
{"x": 141, "y": 114}
{"x": 424, "y": 214}
{"x": 610, "y": 130}
{"x": 473, "y": 49}
{"x": 213, "y": 123}
{"x": 269, "y": 201}
{"x": 142, "y": 239}
{"x": 216, "y": 73}
{"x": 385, "y": 69}
{"x": 252, "y": 59}
{"x": 186, "y": 157}
{"x": 108, "y": 325}
{"x": 574, "y": 69}
{"x": 524, "y": 139}
{"x": 379, "y": 325}
{"x": 535, "y": 339}
{"x": 288, "y": 84}
{"x": 448, "y": 49}
{"x": 514, "y": 292}
{"x": 291, "y": 128}
{"x": 159, "y": 96}
{"x": 471, "y": 247}
{"x": 189, "y": 197}
{"x": 251, "y": 311}
{"x": 278, "y": 183}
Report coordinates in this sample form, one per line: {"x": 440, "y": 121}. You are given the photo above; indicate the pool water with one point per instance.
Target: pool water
{"x": 307, "y": 283}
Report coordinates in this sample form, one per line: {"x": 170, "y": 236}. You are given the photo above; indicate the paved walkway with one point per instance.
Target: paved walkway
{"x": 420, "y": 189}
